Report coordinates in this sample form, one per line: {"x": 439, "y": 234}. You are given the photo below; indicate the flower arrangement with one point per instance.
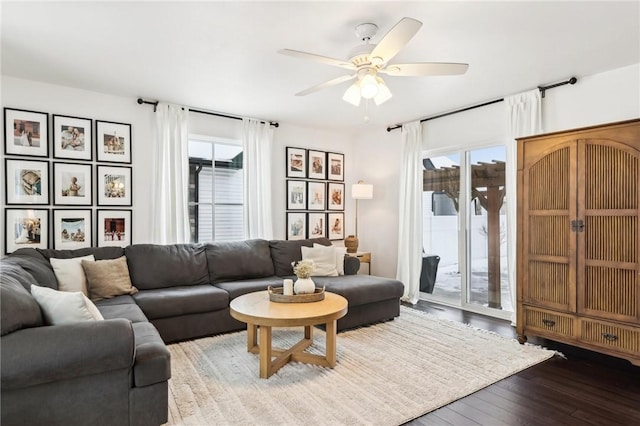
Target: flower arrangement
{"x": 303, "y": 268}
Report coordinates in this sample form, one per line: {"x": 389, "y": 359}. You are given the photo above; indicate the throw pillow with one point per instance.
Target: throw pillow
{"x": 340, "y": 252}
{"x": 324, "y": 259}
{"x": 64, "y": 307}
{"x": 108, "y": 278}
{"x": 70, "y": 274}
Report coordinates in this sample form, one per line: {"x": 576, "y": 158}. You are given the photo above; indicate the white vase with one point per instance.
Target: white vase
{"x": 304, "y": 286}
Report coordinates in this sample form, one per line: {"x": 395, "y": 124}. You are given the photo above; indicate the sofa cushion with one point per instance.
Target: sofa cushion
{"x": 234, "y": 260}
{"x": 99, "y": 253}
{"x": 240, "y": 287}
{"x": 18, "y": 309}
{"x": 35, "y": 264}
{"x": 125, "y": 299}
{"x": 64, "y": 307}
{"x": 283, "y": 252}
{"x": 69, "y": 273}
{"x": 362, "y": 289}
{"x": 181, "y": 300}
{"x": 154, "y": 266}
{"x": 152, "y": 361}
{"x": 108, "y": 278}
{"x": 132, "y": 312}
{"x": 324, "y": 260}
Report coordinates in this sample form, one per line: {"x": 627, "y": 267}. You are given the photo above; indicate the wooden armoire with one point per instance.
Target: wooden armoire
{"x": 578, "y": 272}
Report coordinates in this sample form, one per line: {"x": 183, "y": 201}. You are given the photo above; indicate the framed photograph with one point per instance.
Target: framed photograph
{"x": 335, "y": 166}
{"x": 335, "y": 223}
{"x": 71, "y": 229}
{"x": 335, "y": 196}
{"x": 113, "y": 142}
{"x": 296, "y": 226}
{"x": 72, "y": 184}
{"x": 114, "y": 186}
{"x": 296, "y": 195}
{"x": 26, "y": 228}
{"x": 26, "y": 132}
{"x": 316, "y": 193}
{"x": 317, "y": 225}
{"x": 72, "y": 137}
{"x": 317, "y": 163}
{"x": 296, "y": 162}
{"x": 27, "y": 181}
{"x": 114, "y": 228}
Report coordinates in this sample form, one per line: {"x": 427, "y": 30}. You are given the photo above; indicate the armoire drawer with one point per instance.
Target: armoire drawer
{"x": 610, "y": 336}
{"x": 549, "y": 322}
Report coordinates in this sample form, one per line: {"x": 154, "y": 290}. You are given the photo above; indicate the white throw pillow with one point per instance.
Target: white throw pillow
{"x": 324, "y": 259}
{"x": 70, "y": 274}
{"x": 340, "y": 252}
{"x": 63, "y": 307}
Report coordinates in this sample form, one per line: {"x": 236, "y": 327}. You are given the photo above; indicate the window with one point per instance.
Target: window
{"x": 464, "y": 222}
{"x": 215, "y": 190}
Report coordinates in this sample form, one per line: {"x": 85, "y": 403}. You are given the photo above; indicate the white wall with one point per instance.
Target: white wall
{"x": 602, "y": 98}
{"x": 43, "y": 97}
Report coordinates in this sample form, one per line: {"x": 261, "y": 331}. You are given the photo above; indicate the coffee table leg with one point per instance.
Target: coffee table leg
{"x": 308, "y": 332}
{"x": 252, "y": 338}
{"x": 265, "y": 352}
{"x": 331, "y": 329}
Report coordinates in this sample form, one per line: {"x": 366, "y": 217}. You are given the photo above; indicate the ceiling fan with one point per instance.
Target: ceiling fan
{"x": 368, "y": 60}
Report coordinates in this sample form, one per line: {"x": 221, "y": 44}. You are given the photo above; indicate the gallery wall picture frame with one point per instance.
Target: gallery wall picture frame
{"x": 26, "y": 228}
{"x": 296, "y": 226}
{"x": 71, "y": 229}
{"x": 72, "y": 184}
{"x": 335, "y": 166}
{"x": 113, "y": 142}
{"x": 72, "y": 137}
{"x": 317, "y": 164}
{"x": 113, "y": 228}
{"x": 335, "y": 226}
{"x": 296, "y": 162}
{"x": 296, "y": 194}
{"x": 26, "y": 132}
{"x": 335, "y": 196}
{"x": 316, "y": 194}
{"x": 114, "y": 186}
{"x": 27, "y": 182}
{"x": 317, "y": 225}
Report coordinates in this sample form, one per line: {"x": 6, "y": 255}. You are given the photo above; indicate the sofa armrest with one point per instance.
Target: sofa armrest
{"x": 351, "y": 265}
{"x": 39, "y": 355}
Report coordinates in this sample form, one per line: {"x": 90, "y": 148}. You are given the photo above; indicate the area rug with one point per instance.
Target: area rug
{"x": 386, "y": 374}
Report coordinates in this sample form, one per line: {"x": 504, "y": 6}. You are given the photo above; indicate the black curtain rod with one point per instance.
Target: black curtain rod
{"x": 199, "y": 111}
{"x": 542, "y": 89}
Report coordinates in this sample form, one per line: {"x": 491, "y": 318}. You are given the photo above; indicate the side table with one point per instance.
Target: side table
{"x": 363, "y": 257}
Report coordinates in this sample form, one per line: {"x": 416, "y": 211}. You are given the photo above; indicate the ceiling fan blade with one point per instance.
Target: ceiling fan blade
{"x": 424, "y": 69}
{"x": 395, "y": 39}
{"x": 318, "y": 58}
{"x": 327, "y": 84}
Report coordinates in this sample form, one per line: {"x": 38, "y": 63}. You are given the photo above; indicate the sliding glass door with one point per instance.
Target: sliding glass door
{"x": 465, "y": 231}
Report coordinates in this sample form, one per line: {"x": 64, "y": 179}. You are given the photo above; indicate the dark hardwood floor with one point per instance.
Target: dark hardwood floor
{"x": 585, "y": 388}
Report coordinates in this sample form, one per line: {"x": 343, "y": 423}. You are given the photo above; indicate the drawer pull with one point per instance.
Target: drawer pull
{"x": 548, "y": 322}
{"x": 610, "y": 337}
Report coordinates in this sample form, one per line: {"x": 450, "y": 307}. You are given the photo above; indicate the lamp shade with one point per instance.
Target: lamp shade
{"x": 361, "y": 191}
{"x": 352, "y": 95}
{"x": 384, "y": 94}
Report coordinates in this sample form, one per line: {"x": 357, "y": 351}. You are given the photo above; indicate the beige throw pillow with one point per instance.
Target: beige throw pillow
{"x": 64, "y": 307}
{"x": 340, "y": 252}
{"x": 108, "y": 278}
{"x": 70, "y": 274}
{"x": 324, "y": 259}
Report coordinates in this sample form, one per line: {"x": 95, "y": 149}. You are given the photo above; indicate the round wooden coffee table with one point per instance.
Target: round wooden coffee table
{"x": 258, "y": 311}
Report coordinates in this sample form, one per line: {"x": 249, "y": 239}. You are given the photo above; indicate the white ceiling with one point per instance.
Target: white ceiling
{"x": 221, "y": 56}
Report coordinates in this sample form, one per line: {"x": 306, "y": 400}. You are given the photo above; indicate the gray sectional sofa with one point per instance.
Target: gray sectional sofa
{"x": 116, "y": 372}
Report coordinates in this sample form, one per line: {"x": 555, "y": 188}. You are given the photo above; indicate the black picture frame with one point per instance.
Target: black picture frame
{"x": 296, "y": 194}
{"x": 114, "y": 227}
{"x": 72, "y": 229}
{"x": 316, "y": 196}
{"x": 113, "y": 142}
{"x": 335, "y": 196}
{"x": 335, "y": 226}
{"x": 27, "y": 182}
{"x": 335, "y": 166}
{"x": 296, "y": 162}
{"x": 114, "y": 185}
{"x": 316, "y": 164}
{"x": 26, "y": 132}
{"x": 316, "y": 225}
{"x": 296, "y": 226}
{"x": 72, "y": 138}
{"x": 72, "y": 184}
{"x": 34, "y": 235}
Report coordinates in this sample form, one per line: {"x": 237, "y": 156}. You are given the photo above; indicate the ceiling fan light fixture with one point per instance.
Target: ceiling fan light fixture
{"x": 384, "y": 94}
{"x": 368, "y": 87}
{"x": 352, "y": 95}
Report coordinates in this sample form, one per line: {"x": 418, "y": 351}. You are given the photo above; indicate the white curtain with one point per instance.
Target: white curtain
{"x": 410, "y": 212}
{"x": 169, "y": 214}
{"x": 257, "y": 139}
{"x": 524, "y": 118}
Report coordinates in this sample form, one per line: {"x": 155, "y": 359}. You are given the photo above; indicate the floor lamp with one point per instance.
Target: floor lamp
{"x": 359, "y": 191}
